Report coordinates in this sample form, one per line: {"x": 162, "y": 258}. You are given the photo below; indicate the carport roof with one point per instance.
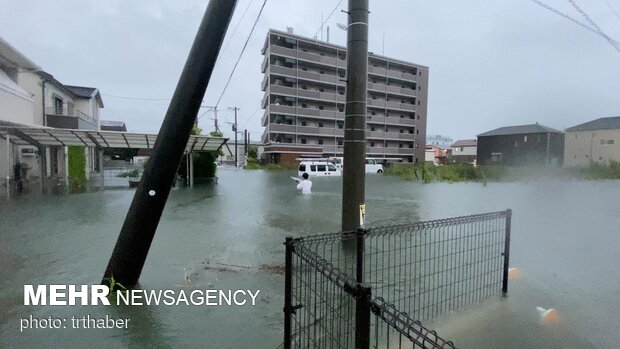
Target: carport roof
{"x": 46, "y": 136}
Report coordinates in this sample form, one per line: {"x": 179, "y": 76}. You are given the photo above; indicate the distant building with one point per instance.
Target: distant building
{"x": 439, "y": 140}
{"x": 463, "y": 151}
{"x": 304, "y": 101}
{"x": 527, "y": 145}
{"x": 106, "y": 125}
{"x": 435, "y": 154}
{"x": 596, "y": 141}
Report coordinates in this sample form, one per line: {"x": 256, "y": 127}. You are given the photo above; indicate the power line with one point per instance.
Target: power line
{"x": 137, "y": 98}
{"x": 598, "y": 29}
{"x": 241, "y": 54}
{"x": 237, "y": 26}
{"x": 613, "y": 42}
{"x": 327, "y": 19}
{"x": 612, "y": 9}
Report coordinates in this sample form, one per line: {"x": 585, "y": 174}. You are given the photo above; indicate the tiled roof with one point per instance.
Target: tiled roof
{"x": 598, "y": 124}
{"x": 465, "y": 143}
{"x": 80, "y": 91}
{"x": 520, "y": 129}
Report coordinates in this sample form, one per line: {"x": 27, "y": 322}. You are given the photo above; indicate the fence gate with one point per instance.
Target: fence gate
{"x": 372, "y": 288}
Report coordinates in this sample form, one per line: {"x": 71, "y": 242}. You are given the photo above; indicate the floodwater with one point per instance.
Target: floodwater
{"x": 565, "y": 241}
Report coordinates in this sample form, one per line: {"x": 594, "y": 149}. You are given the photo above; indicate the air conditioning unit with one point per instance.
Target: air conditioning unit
{"x": 29, "y": 152}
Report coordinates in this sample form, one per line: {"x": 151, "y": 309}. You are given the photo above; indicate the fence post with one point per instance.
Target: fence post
{"x": 362, "y": 315}
{"x": 359, "y": 269}
{"x": 288, "y": 289}
{"x": 507, "y": 250}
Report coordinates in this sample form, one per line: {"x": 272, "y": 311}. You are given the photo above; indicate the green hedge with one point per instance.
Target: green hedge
{"x": 77, "y": 168}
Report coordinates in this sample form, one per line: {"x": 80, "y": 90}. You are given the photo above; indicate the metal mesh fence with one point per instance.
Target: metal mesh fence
{"x": 415, "y": 272}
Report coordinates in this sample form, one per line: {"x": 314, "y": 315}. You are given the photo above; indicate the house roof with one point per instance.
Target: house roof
{"x": 598, "y": 124}
{"x": 86, "y": 92}
{"x": 520, "y": 129}
{"x": 111, "y": 123}
{"x": 465, "y": 143}
{"x": 11, "y": 57}
{"x": 75, "y": 91}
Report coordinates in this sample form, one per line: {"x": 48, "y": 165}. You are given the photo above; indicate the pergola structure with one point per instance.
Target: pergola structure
{"x": 42, "y": 137}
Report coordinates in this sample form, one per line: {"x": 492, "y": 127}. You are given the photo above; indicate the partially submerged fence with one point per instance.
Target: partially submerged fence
{"x": 371, "y": 288}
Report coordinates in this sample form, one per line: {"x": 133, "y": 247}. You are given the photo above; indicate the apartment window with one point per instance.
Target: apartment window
{"x": 402, "y": 116}
{"x": 340, "y": 124}
{"x": 341, "y": 109}
{"x": 373, "y": 113}
{"x": 304, "y": 87}
{"x": 320, "y": 124}
{"x": 525, "y": 139}
{"x": 340, "y": 142}
{"x": 321, "y": 107}
{"x": 304, "y": 105}
{"x": 418, "y": 102}
{"x": 402, "y": 131}
{"x": 303, "y": 141}
{"x": 372, "y": 144}
{"x": 372, "y": 129}
{"x": 321, "y": 90}
{"x": 418, "y": 117}
{"x": 400, "y": 145}
{"x": 411, "y": 131}
{"x": 319, "y": 142}
{"x": 303, "y": 123}
{"x": 321, "y": 71}
{"x": 410, "y": 145}
{"x": 304, "y": 69}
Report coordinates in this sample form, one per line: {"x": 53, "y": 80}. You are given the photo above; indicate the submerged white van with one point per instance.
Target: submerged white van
{"x": 318, "y": 168}
{"x": 372, "y": 164}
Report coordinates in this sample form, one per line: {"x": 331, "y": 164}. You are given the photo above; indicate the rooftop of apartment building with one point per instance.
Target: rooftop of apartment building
{"x": 334, "y": 46}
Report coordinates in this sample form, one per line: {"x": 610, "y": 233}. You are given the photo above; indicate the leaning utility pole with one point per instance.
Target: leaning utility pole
{"x": 353, "y": 186}
{"x": 235, "y": 130}
{"x": 138, "y": 230}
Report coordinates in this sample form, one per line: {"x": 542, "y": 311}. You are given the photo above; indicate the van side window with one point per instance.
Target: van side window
{"x": 321, "y": 168}
{"x": 302, "y": 168}
{"x": 313, "y": 168}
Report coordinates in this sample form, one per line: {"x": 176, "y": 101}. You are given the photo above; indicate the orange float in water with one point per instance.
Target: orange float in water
{"x": 548, "y": 316}
{"x": 514, "y": 273}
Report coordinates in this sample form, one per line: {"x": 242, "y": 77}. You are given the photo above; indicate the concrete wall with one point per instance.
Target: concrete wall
{"x": 585, "y": 147}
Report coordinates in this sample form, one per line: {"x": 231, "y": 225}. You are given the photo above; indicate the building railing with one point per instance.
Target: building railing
{"x": 68, "y": 111}
{"x": 370, "y": 288}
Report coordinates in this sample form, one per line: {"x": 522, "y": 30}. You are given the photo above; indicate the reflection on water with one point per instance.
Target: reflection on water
{"x": 565, "y": 238}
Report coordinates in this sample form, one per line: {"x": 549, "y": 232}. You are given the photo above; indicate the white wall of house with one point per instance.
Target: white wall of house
{"x": 16, "y": 104}
{"x": 461, "y": 151}
{"x": 581, "y": 148}
{"x": 31, "y": 82}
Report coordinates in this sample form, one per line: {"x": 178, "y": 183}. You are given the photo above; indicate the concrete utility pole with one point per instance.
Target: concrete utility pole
{"x": 138, "y": 230}
{"x": 353, "y": 195}
{"x": 234, "y": 127}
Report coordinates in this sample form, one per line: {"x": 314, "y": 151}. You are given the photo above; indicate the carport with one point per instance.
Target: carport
{"x": 43, "y": 137}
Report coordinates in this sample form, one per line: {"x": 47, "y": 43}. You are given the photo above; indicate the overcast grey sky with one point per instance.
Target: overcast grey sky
{"x": 492, "y": 62}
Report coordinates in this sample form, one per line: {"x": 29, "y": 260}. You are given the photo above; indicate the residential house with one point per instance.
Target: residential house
{"x": 435, "y": 154}
{"x": 521, "y": 145}
{"x": 596, "y": 141}
{"x": 463, "y": 151}
{"x": 32, "y": 97}
{"x": 107, "y": 125}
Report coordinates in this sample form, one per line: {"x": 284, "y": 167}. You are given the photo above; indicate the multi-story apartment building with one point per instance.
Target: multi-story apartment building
{"x": 304, "y": 101}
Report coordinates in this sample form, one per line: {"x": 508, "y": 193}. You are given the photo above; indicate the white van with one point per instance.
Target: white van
{"x": 318, "y": 168}
{"x": 372, "y": 165}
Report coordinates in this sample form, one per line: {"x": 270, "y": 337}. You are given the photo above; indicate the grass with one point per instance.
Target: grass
{"x": 446, "y": 173}
{"x": 270, "y": 167}
{"x": 466, "y": 173}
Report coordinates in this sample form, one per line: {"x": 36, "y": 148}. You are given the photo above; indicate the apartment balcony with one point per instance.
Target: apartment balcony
{"x": 400, "y": 121}
{"x": 290, "y": 110}
{"x": 331, "y": 61}
{"x": 280, "y": 70}
{"x": 283, "y": 51}
{"x": 265, "y": 117}
{"x": 291, "y": 91}
{"x": 264, "y": 83}
{"x": 400, "y": 106}
{"x": 395, "y": 74}
{"x": 265, "y": 64}
{"x": 282, "y": 128}
{"x": 70, "y": 118}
